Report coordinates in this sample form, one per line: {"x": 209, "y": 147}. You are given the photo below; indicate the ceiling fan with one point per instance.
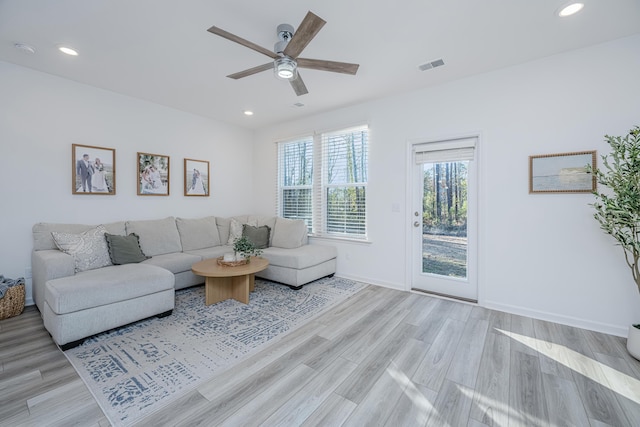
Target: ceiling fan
{"x": 285, "y": 54}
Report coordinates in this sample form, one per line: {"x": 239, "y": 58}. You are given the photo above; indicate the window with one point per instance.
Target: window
{"x": 295, "y": 193}
{"x": 323, "y": 180}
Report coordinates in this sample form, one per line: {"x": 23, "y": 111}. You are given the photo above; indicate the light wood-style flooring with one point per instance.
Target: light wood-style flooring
{"x": 382, "y": 358}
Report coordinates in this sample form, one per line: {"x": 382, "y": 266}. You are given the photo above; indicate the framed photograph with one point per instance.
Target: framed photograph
{"x": 153, "y": 174}
{"x": 562, "y": 173}
{"x": 93, "y": 170}
{"x": 196, "y": 177}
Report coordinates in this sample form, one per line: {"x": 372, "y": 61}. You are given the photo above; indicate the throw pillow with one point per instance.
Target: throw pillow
{"x": 125, "y": 249}
{"x": 89, "y": 249}
{"x": 259, "y": 236}
{"x": 235, "y": 230}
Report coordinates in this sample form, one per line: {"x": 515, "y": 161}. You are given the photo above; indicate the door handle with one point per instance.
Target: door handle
{"x": 416, "y": 224}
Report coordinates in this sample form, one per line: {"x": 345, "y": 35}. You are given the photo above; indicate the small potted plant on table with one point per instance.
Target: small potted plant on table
{"x": 618, "y": 211}
{"x": 244, "y": 249}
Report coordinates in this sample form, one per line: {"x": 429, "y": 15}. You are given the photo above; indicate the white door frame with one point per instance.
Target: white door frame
{"x": 410, "y": 203}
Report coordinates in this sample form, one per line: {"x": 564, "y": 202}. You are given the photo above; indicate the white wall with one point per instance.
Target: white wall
{"x": 42, "y": 115}
{"x": 540, "y": 255}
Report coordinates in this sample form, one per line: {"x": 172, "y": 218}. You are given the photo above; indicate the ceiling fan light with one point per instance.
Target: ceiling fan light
{"x": 285, "y": 68}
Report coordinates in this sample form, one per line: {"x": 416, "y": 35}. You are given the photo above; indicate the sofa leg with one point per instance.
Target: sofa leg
{"x": 295, "y": 288}
{"x": 70, "y": 345}
{"x": 165, "y": 314}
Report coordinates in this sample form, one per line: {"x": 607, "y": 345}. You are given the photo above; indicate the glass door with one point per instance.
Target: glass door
{"x": 444, "y": 219}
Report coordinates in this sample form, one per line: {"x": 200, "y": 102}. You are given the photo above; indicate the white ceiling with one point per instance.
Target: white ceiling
{"x": 160, "y": 51}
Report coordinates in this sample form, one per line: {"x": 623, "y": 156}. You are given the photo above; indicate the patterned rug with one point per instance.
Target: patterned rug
{"x": 137, "y": 369}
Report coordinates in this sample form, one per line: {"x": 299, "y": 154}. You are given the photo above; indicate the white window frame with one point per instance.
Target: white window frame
{"x": 321, "y": 186}
{"x": 281, "y": 178}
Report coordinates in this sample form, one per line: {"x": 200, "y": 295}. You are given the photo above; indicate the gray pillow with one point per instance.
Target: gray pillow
{"x": 259, "y": 236}
{"x": 125, "y": 249}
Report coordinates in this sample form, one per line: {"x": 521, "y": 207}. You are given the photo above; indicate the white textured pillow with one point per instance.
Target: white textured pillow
{"x": 235, "y": 230}
{"x": 89, "y": 249}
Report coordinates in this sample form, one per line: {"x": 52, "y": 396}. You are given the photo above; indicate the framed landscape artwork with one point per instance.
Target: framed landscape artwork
{"x": 93, "y": 170}
{"x": 196, "y": 178}
{"x": 153, "y": 174}
{"x": 562, "y": 173}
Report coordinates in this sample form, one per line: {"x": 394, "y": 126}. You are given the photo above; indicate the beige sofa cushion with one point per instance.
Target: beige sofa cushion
{"x": 198, "y": 233}
{"x": 157, "y": 237}
{"x": 105, "y": 286}
{"x": 303, "y": 257}
{"x": 289, "y": 233}
{"x": 43, "y": 240}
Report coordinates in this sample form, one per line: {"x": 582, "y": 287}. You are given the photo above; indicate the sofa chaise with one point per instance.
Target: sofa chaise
{"x": 80, "y": 293}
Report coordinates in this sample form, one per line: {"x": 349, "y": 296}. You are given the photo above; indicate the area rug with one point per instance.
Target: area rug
{"x": 135, "y": 370}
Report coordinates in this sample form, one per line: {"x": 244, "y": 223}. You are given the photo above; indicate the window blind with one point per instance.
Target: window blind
{"x": 295, "y": 180}
{"x": 445, "y": 151}
{"x": 341, "y": 203}
{"x": 323, "y": 180}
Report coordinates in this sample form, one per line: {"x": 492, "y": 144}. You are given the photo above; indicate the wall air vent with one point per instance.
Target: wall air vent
{"x": 432, "y": 64}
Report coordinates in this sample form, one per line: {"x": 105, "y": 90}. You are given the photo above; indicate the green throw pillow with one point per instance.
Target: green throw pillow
{"x": 259, "y": 236}
{"x": 125, "y": 249}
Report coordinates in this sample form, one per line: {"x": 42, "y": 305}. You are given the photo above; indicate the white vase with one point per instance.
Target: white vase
{"x": 633, "y": 342}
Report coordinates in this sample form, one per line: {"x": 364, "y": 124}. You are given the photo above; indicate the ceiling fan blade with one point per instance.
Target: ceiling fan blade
{"x": 335, "y": 67}
{"x": 307, "y": 30}
{"x": 227, "y": 35}
{"x": 298, "y": 85}
{"x": 251, "y": 71}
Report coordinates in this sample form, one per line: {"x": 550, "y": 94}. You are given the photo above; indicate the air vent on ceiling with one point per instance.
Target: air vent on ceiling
{"x": 432, "y": 64}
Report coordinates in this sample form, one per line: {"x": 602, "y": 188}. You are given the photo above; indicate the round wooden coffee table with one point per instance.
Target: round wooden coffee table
{"x": 225, "y": 282}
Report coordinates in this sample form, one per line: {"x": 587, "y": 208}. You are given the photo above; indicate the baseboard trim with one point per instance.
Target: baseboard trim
{"x": 606, "y": 328}
{"x": 620, "y": 331}
{"x": 396, "y": 286}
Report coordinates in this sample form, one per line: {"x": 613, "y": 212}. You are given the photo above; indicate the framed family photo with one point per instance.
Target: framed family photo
{"x": 93, "y": 170}
{"x": 562, "y": 173}
{"x": 153, "y": 174}
{"x": 196, "y": 178}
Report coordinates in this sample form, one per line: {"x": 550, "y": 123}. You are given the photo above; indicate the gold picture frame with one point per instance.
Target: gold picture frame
{"x": 153, "y": 174}
{"x": 196, "y": 178}
{"x": 93, "y": 170}
{"x": 562, "y": 173}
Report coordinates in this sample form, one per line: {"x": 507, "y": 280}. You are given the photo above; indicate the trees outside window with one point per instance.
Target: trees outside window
{"x": 323, "y": 180}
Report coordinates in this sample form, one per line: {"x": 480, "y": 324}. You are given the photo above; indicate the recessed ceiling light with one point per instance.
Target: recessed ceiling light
{"x": 25, "y": 47}
{"x": 248, "y": 113}
{"x": 68, "y": 50}
{"x": 570, "y": 9}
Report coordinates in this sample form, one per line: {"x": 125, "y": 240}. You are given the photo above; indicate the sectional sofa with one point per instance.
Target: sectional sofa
{"x": 79, "y": 291}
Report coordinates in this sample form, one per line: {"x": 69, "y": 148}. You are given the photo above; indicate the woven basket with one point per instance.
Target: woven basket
{"x": 12, "y": 303}
{"x": 221, "y": 261}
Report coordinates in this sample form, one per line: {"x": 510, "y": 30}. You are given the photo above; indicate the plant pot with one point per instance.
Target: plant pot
{"x": 633, "y": 342}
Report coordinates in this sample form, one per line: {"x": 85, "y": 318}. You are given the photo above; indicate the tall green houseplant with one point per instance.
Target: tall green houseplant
{"x": 618, "y": 210}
